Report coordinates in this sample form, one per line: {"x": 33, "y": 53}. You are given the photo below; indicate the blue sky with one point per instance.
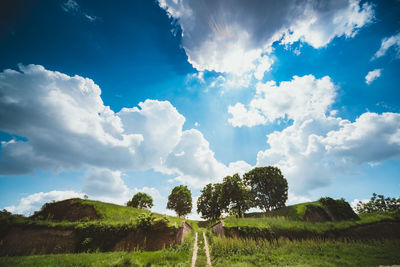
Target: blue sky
{"x": 107, "y": 99}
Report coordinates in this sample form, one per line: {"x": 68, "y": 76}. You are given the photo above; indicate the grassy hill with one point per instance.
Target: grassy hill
{"x": 293, "y": 212}
{"x": 77, "y": 209}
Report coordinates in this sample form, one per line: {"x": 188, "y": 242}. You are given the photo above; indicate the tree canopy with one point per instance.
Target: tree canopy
{"x": 235, "y": 196}
{"x": 141, "y": 201}
{"x": 268, "y": 186}
{"x": 180, "y": 200}
{"x": 208, "y": 204}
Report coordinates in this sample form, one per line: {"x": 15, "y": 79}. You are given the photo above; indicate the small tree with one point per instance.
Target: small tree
{"x": 235, "y": 196}
{"x": 141, "y": 201}
{"x": 180, "y": 200}
{"x": 378, "y": 203}
{"x": 269, "y": 187}
{"x": 208, "y": 204}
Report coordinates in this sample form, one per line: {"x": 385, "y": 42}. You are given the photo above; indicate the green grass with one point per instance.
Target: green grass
{"x": 293, "y": 212}
{"x": 174, "y": 256}
{"x": 137, "y": 258}
{"x": 113, "y": 213}
{"x": 250, "y": 252}
{"x": 277, "y": 224}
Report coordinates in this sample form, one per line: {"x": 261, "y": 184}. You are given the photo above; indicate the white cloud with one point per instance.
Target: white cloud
{"x": 311, "y": 152}
{"x": 317, "y": 145}
{"x": 265, "y": 64}
{"x": 64, "y": 121}
{"x": 72, "y": 7}
{"x": 153, "y": 192}
{"x": 303, "y": 97}
{"x": 160, "y": 125}
{"x": 296, "y": 199}
{"x": 373, "y": 75}
{"x": 387, "y": 43}
{"x": 106, "y": 185}
{"x": 243, "y": 117}
{"x": 194, "y": 161}
{"x": 232, "y": 36}
{"x": 34, "y": 202}
{"x": 66, "y": 126}
{"x": 354, "y": 203}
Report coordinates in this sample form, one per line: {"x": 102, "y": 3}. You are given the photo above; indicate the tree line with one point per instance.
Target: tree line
{"x": 262, "y": 187}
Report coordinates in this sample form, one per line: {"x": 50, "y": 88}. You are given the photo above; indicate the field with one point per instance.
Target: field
{"x": 250, "y": 252}
{"x": 234, "y": 252}
{"x": 279, "y": 238}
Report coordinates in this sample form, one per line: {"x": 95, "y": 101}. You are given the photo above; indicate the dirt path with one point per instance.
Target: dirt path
{"x": 194, "y": 252}
{"x": 207, "y": 250}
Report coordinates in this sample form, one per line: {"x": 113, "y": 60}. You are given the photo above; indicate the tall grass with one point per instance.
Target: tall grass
{"x": 251, "y": 252}
{"x": 281, "y": 223}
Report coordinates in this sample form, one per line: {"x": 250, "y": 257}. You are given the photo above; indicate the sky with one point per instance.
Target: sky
{"x": 107, "y": 99}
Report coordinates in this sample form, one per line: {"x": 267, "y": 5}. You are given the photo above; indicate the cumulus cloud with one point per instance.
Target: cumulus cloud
{"x": 153, "y": 192}
{"x": 64, "y": 121}
{"x": 300, "y": 98}
{"x": 311, "y": 152}
{"x": 234, "y": 36}
{"x": 372, "y": 76}
{"x": 386, "y": 44}
{"x": 34, "y": 202}
{"x": 64, "y": 125}
{"x": 160, "y": 125}
{"x": 106, "y": 185}
{"x": 195, "y": 163}
{"x": 317, "y": 145}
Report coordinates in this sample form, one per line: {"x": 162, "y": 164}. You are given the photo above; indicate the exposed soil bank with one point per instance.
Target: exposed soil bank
{"x": 67, "y": 210}
{"x": 44, "y": 240}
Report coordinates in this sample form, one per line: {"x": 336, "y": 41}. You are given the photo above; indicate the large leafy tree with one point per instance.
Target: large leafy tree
{"x": 141, "y": 201}
{"x": 208, "y": 204}
{"x": 235, "y": 198}
{"x": 268, "y": 186}
{"x": 180, "y": 200}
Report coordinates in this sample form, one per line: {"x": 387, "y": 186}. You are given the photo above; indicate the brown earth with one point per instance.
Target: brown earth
{"x": 67, "y": 210}
{"x": 41, "y": 240}
{"x": 316, "y": 214}
{"x": 37, "y": 241}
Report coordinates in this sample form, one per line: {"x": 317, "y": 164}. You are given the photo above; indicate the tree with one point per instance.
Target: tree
{"x": 208, "y": 204}
{"x": 180, "y": 200}
{"x": 268, "y": 186}
{"x": 379, "y": 203}
{"x": 235, "y": 196}
{"x": 141, "y": 201}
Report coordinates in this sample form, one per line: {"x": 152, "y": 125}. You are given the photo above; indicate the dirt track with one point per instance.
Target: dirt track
{"x": 194, "y": 258}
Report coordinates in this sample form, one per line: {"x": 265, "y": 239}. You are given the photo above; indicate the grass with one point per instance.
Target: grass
{"x": 293, "y": 212}
{"x": 281, "y": 223}
{"x": 136, "y": 258}
{"x": 112, "y": 215}
{"x": 173, "y": 256}
{"x": 250, "y": 252}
